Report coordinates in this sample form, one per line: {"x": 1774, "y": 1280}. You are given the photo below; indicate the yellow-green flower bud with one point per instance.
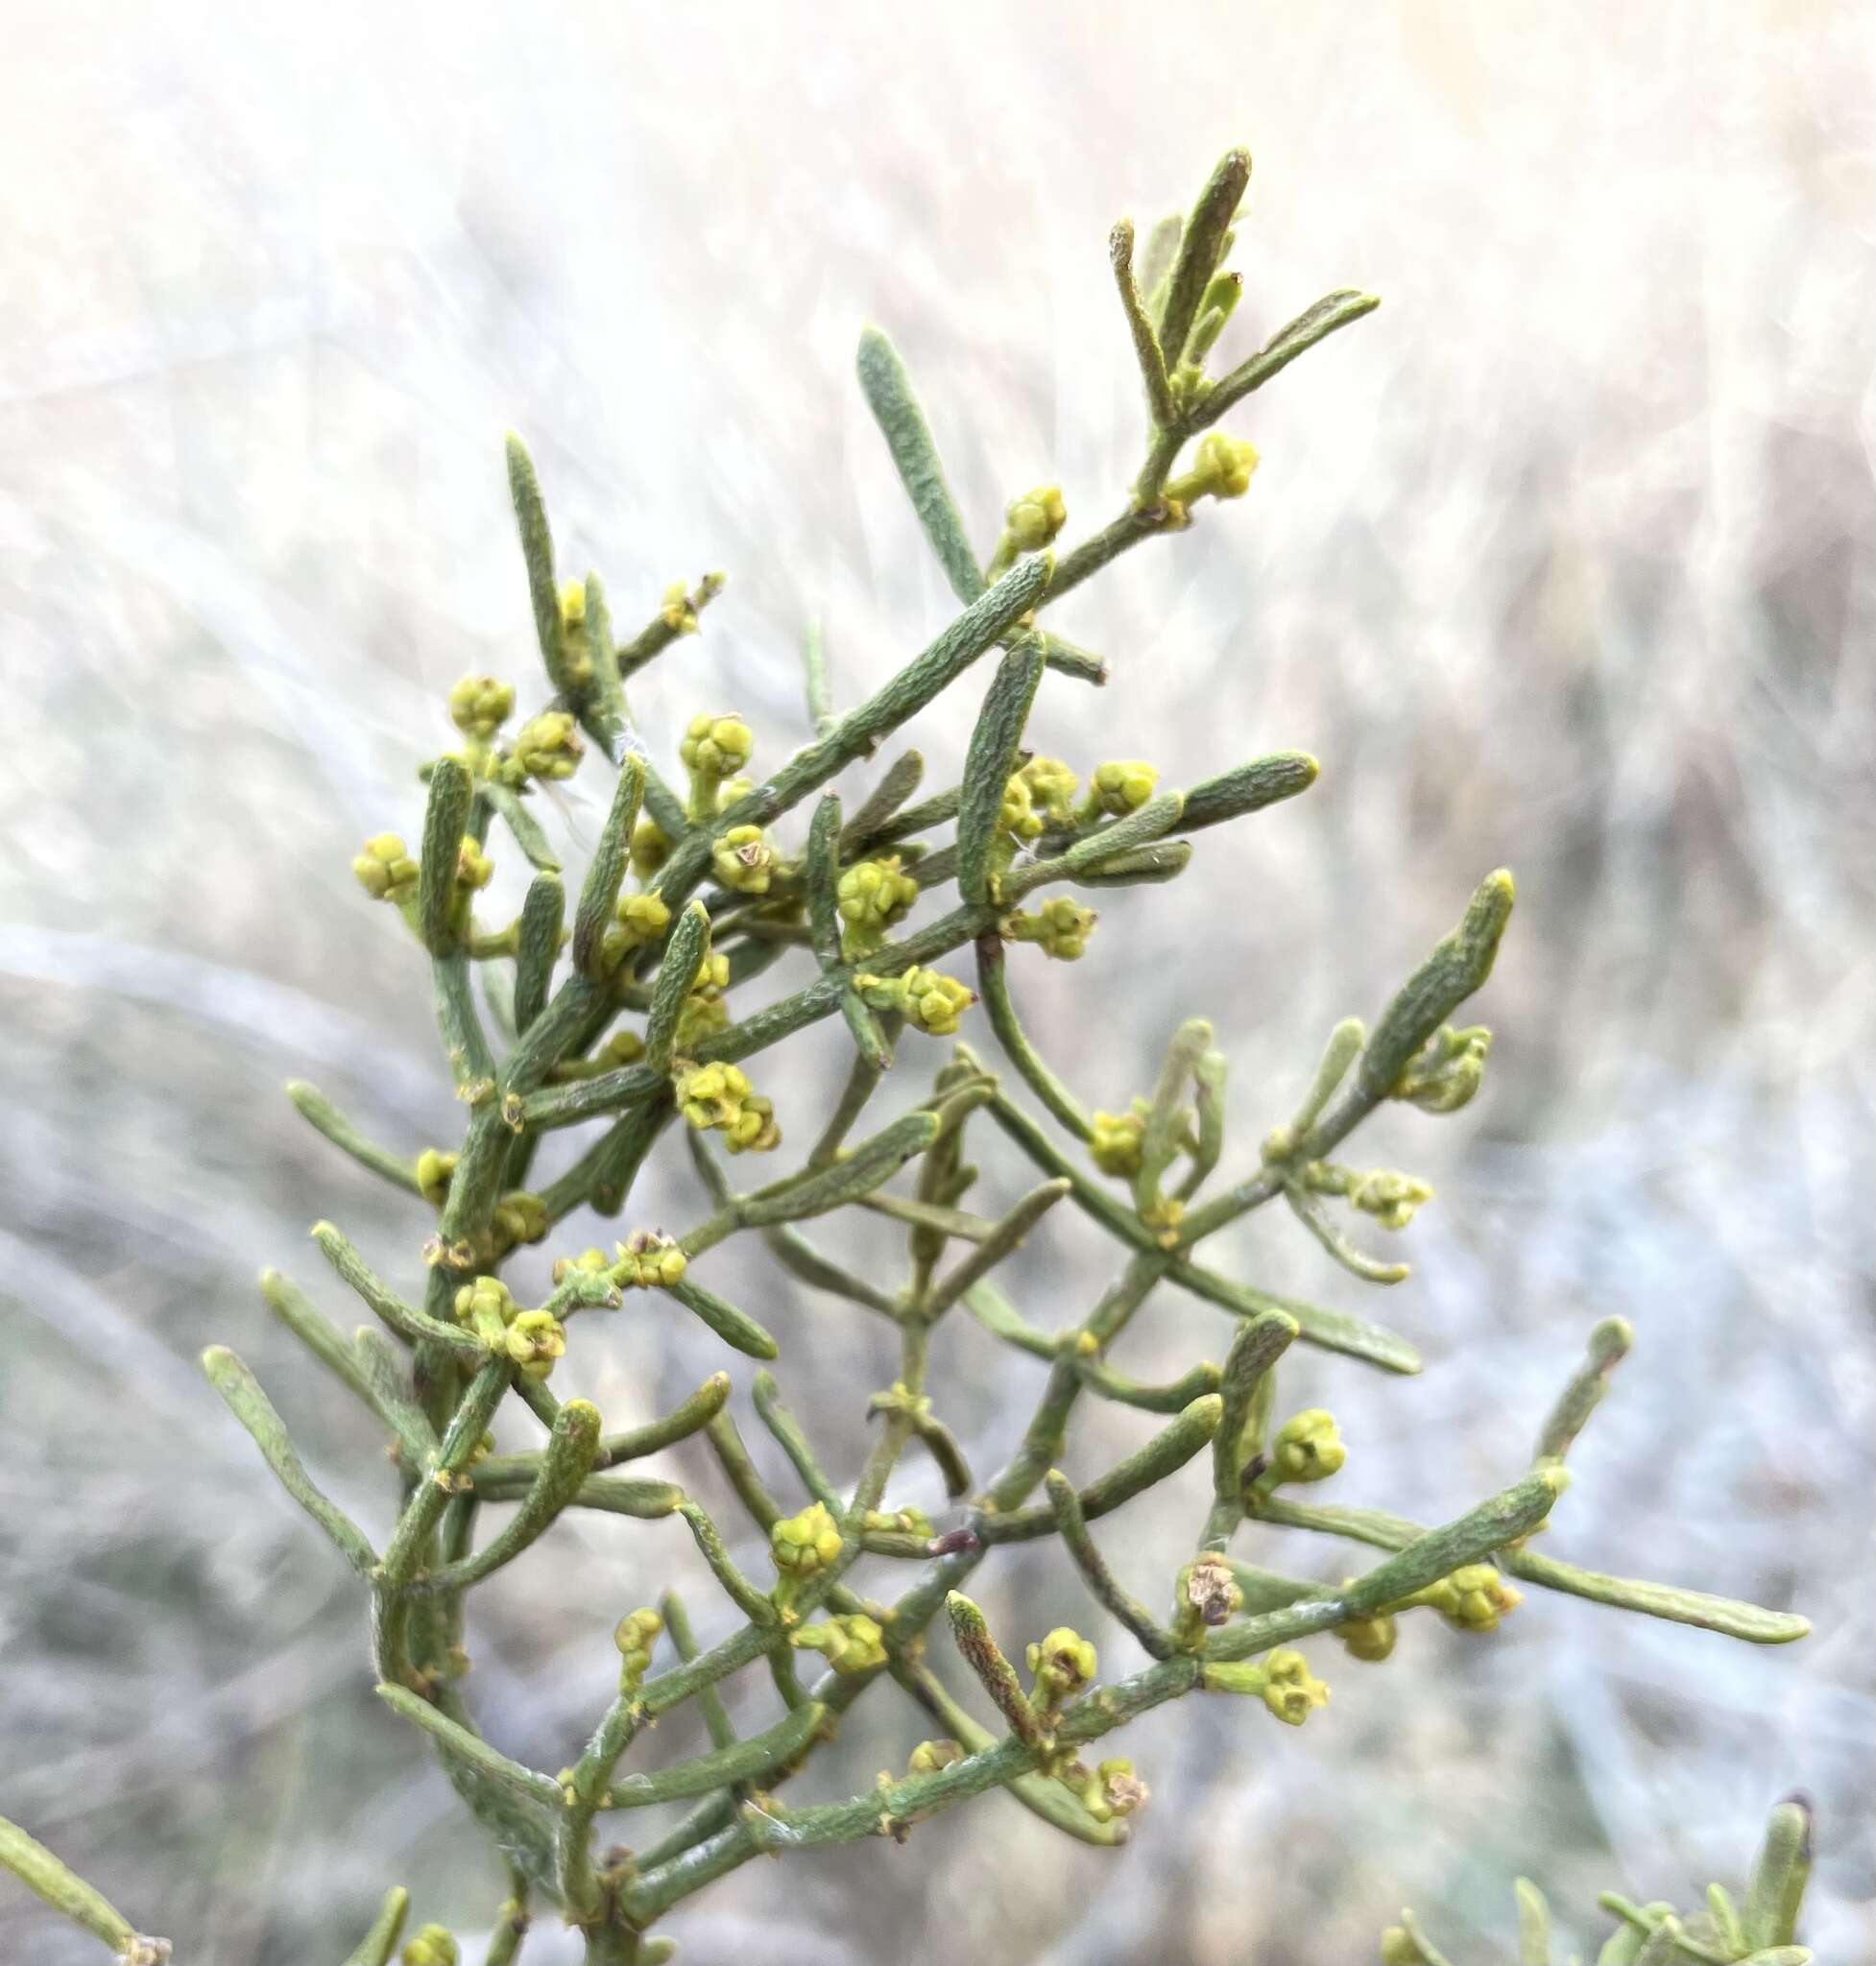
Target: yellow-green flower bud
{"x": 1060, "y": 929}
{"x": 1291, "y": 1690}
{"x": 1447, "y": 1070}
{"x": 676, "y": 610}
{"x": 433, "y": 1946}
{"x": 648, "y": 1260}
{"x": 1390, "y": 1198}
{"x": 1116, "y": 1138}
{"x": 644, "y": 918}
{"x": 576, "y": 657}
{"x": 385, "y": 868}
{"x": 434, "y": 1167}
{"x": 479, "y": 706}
{"x": 720, "y": 1097}
{"x": 474, "y": 870}
{"x": 546, "y": 747}
{"x": 699, "y": 1017}
{"x": 651, "y": 847}
{"x": 1400, "y": 1948}
{"x": 636, "y": 1634}
{"x": 711, "y": 1094}
{"x": 1035, "y": 519}
{"x": 929, "y": 1756}
{"x": 754, "y": 1129}
{"x": 487, "y": 1308}
{"x": 535, "y": 1341}
{"x": 1062, "y": 1663}
{"x": 712, "y": 975}
{"x": 1308, "y": 1447}
{"x": 929, "y": 1000}
{"x": 715, "y": 747}
{"x": 1222, "y": 468}
{"x": 805, "y": 1545}
{"x": 1474, "y": 1597}
{"x": 622, "y": 1048}
{"x": 519, "y": 1217}
{"x": 594, "y": 1262}
{"x": 1052, "y": 788}
{"x": 1017, "y": 816}
{"x": 1368, "y": 1639}
{"x": 871, "y": 896}
{"x": 907, "y": 1522}
{"x": 743, "y": 860}
{"x": 934, "y": 1002}
{"x": 1122, "y": 785}
{"x": 851, "y": 1644}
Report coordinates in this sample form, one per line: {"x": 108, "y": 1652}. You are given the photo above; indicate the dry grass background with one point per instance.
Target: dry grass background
{"x": 1566, "y": 559}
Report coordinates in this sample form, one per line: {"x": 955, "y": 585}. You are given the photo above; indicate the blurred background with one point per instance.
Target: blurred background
{"x": 1566, "y": 560}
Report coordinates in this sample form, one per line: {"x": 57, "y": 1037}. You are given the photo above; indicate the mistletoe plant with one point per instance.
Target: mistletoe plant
{"x": 588, "y": 1048}
{"x": 1759, "y": 1932}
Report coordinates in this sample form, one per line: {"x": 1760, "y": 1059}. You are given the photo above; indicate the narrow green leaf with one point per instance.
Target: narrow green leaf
{"x": 314, "y": 1329}
{"x": 1072, "y": 1526}
{"x": 1146, "y": 342}
{"x": 1201, "y": 247}
{"x": 995, "y": 1673}
{"x": 1166, "y": 1454}
{"x": 472, "y": 1749}
{"x": 1156, "y": 262}
{"x": 67, "y": 1893}
{"x": 746, "y": 1761}
{"x": 1608, "y": 1347}
{"x": 873, "y": 1161}
{"x": 446, "y": 820}
{"x": 1249, "y": 788}
{"x": 1776, "y": 1893}
{"x": 405, "y": 1319}
{"x": 537, "y": 551}
{"x": 988, "y": 762}
{"x": 1479, "y": 1533}
{"x": 889, "y": 396}
{"x": 1141, "y": 867}
{"x": 787, "y": 1433}
{"x": 820, "y": 873}
{"x": 802, "y": 1259}
{"x": 565, "y": 1462}
{"x": 683, "y": 955}
{"x": 599, "y": 893}
{"x": 1002, "y": 1320}
{"x": 999, "y": 1007}
{"x": 735, "y": 1328}
{"x": 1003, "y": 1241}
{"x": 377, "y": 1945}
{"x": 1257, "y": 1346}
{"x": 877, "y": 807}
{"x": 1333, "y": 1330}
{"x": 542, "y": 914}
{"x": 1459, "y": 964}
{"x": 315, "y": 1107}
{"x": 602, "y": 702}
{"x": 513, "y": 811}
{"x": 1095, "y": 850}
{"x": 1335, "y": 311}
{"x": 814, "y": 673}
{"x": 1165, "y": 1113}
{"x": 254, "y": 1410}
{"x": 1533, "y": 1925}
{"x": 754, "y": 1604}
